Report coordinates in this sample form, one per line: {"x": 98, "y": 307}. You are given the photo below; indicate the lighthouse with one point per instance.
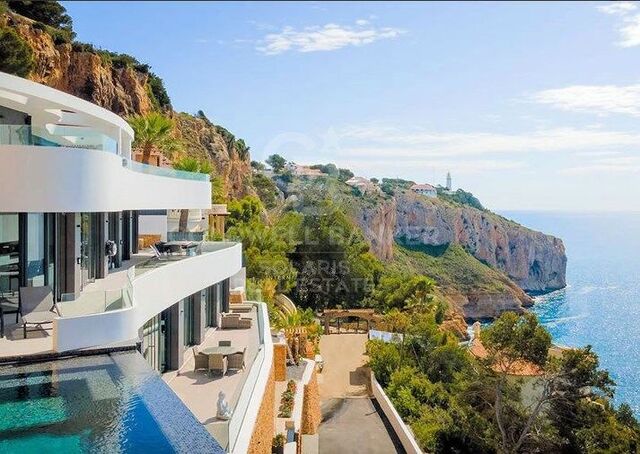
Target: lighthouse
{"x": 448, "y": 181}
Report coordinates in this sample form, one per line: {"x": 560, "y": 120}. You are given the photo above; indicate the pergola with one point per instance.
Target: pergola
{"x": 368, "y": 315}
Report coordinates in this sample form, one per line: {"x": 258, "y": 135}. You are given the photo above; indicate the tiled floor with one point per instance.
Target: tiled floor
{"x": 199, "y": 391}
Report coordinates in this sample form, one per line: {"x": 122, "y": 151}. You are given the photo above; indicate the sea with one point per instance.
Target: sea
{"x": 601, "y": 304}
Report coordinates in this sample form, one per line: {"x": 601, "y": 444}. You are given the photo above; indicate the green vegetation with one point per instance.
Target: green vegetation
{"x": 49, "y": 16}
{"x": 391, "y": 185}
{"x": 276, "y": 162}
{"x": 460, "y": 197}
{"x": 457, "y": 403}
{"x": 154, "y": 132}
{"x": 16, "y": 57}
{"x": 266, "y": 247}
{"x": 450, "y": 266}
{"x": 266, "y": 189}
{"x": 333, "y": 171}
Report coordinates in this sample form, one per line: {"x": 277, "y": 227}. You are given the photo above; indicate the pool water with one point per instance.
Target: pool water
{"x": 104, "y": 403}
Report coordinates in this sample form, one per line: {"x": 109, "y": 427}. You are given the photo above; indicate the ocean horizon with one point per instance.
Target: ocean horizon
{"x": 601, "y": 304}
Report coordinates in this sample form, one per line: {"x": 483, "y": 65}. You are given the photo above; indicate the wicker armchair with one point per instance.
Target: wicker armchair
{"x": 218, "y": 363}
{"x": 236, "y": 361}
{"x": 201, "y": 361}
{"x": 244, "y": 323}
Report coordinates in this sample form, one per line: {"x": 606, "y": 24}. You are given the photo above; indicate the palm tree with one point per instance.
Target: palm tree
{"x": 189, "y": 164}
{"x": 153, "y": 131}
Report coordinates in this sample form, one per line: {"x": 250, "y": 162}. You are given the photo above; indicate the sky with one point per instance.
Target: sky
{"x": 530, "y": 106}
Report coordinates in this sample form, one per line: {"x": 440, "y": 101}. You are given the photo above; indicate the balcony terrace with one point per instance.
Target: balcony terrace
{"x": 111, "y": 310}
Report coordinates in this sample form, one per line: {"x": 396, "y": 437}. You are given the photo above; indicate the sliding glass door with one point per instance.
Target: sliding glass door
{"x": 9, "y": 254}
{"x": 88, "y": 247}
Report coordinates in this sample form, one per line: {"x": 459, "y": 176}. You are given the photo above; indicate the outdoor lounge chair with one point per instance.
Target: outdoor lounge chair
{"x": 236, "y": 361}
{"x": 230, "y": 321}
{"x": 224, "y": 343}
{"x": 239, "y": 308}
{"x": 218, "y": 363}
{"x": 157, "y": 253}
{"x": 201, "y": 361}
{"x": 244, "y": 323}
{"x": 37, "y": 307}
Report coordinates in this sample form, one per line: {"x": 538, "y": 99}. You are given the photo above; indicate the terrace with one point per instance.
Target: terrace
{"x": 111, "y": 310}
{"x": 199, "y": 390}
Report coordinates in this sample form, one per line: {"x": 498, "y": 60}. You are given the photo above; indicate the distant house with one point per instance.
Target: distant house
{"x": 304, "y": 171}
{"x": 364, "y": 185}
{"x": 425, "y": 189}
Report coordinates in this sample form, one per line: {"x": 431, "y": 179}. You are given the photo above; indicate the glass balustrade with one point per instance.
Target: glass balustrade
{"x": 63, "y": 136}
{"x": 167, "y": 172}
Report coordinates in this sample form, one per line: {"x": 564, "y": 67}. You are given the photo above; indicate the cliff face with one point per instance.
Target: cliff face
{"x": 482, "y": 262}
{"x": 126, "y": 91}
{"x": 533, "y": 260}
{"x": 82, "y": 74}
{"x": 208, "y": 141}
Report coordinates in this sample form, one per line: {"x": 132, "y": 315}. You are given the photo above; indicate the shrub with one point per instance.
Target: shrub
{"x": 16, "y": 57}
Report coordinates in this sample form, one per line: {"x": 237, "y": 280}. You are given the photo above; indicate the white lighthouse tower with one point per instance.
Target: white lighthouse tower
{"x": 448, "y": 181}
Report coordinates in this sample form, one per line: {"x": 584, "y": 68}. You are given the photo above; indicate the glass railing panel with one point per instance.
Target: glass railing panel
{"x": 59, "y": 136}
{"x": 167, "y": 172}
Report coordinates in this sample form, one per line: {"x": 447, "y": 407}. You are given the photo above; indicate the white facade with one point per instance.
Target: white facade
{"x": 425, "y": 189}
{"x": 152, "y": 292}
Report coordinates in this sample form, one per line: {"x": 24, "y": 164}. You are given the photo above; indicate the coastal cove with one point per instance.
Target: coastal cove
{"x": 601, "y": 304}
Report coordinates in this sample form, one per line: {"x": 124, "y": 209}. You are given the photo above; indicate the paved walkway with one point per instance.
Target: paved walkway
{"x": 354, "y": 425}
{"x": 351, "y": 421}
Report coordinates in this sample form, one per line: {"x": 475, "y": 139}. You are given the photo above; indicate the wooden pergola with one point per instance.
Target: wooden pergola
{"x": 368, "y": 315}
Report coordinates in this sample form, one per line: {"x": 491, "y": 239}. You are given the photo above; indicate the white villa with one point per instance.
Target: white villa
{"x": 75, "y": 277}
{"x": 425, "y": 189}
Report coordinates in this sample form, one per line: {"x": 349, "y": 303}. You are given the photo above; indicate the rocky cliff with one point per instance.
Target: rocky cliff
{"x": 125, "y": 86}
{"x": 533, "y": 260}
{"x": 481, "y": 261}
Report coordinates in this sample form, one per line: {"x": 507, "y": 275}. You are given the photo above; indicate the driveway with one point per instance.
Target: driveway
{"x": 351, "y": 421}
{"x": 354, "y": 425}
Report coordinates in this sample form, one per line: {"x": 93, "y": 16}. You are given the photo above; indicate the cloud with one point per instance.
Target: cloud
{"x": 621, "y": 164}
{"x": 393, "y": 143}
{"x": 620, "y": 8}
{"x": 598, "y": 99}
{"x": 324, "y": 38}
{"x": 629, "y": 22}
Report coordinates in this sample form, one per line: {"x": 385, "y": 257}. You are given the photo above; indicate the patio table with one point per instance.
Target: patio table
{"x": 222, "y": 350}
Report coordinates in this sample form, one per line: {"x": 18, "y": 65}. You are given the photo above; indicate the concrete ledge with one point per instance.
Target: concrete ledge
{"x": 403, "y": 432}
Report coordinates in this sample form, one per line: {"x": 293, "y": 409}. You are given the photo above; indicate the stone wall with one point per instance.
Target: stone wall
{"x": 311, "y": 415}
{"x": 280, "y": 361}
{"x": 265, "y": 425}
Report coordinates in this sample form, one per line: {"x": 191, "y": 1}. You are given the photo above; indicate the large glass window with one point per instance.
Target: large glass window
{"x": 154, "y": 341}
{"x": 35, "y": 272}
{"x": 9, "y": 254}
{"x": 213, "y": 297}
{"x": 88, "y": 247}
{"x": 189, "y": 321}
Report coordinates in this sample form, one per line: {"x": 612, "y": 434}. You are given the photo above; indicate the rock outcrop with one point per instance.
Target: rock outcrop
{"x": 378, "y": 225}
{"x": 82, "y": 74}
{"x": 533, "y": 260}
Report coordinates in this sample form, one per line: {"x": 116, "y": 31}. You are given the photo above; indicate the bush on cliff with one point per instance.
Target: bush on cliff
{"x": 16, "y": 57}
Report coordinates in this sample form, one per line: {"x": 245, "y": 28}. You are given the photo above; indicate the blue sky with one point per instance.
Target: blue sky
{"x": 529, "y": 105}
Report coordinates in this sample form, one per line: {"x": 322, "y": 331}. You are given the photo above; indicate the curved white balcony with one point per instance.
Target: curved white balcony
{"x": 148, "y": 293}
{"x": 64, "y": 179}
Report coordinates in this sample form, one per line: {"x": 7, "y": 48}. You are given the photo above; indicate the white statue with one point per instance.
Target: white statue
{"x": 224, "y": 412}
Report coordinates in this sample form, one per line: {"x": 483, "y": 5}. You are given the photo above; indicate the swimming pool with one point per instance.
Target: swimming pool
{"x": 104, "y": 403}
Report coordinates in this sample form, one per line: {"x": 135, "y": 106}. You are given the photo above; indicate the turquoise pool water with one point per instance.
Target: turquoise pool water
{"x": 105, "y": 403}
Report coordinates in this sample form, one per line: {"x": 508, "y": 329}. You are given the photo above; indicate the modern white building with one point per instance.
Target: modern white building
{"x": 425, "y": 190}
{"x": 70, "y": 192}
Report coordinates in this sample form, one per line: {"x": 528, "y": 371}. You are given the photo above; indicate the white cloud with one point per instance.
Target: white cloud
{"x": 629, "y": 25}
{"x": 326, "y": 38}
{"x": 394, "y": 143}
{"x": 599, "y": 99}
{"x": 621, "y": 164}
{"x": 617, "y": 8}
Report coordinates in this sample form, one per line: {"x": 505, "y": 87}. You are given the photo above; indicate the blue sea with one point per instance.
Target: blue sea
{"x": 601, "y": 304}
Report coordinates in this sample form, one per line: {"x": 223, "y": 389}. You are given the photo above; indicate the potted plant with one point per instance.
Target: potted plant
{"x": 277, "y": 446}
